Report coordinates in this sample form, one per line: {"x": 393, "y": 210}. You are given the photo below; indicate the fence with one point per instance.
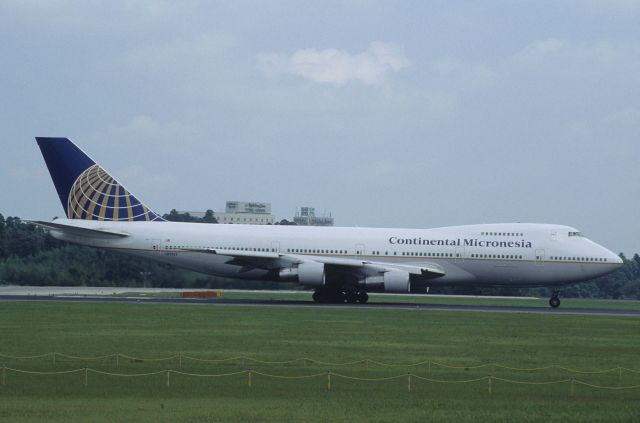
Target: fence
{"x": 307, "y": 364}
{"x": 249, "y": 374}
{"x": 181, "y": 358}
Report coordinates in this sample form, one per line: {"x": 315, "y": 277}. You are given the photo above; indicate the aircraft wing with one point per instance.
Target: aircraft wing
{"x": 428, "y": 271}
{"x": 250, "y": 260}
{"x": 78, "y": 230}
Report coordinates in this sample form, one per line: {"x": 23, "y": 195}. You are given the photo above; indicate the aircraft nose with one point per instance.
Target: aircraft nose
{"x": 613, "y": 262}
{"x": 613, "y": 258}
{"x": 617, "y": 260}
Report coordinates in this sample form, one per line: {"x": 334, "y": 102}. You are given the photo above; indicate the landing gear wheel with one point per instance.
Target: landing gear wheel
{"x": 554, "y": 301}
{"x": 328, "y": 295}
{"x": 363, "y": 297}
{"x": 338, "y": 297}
{"x": 351, "y": 297}
{"x": 322, "y": 295}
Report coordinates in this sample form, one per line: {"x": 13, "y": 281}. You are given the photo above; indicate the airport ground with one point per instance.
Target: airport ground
{"x": 461, "y": 339}
{"x": 281, "y": 297}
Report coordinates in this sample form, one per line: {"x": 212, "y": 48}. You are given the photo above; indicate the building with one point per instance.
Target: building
{"x": 241, "y": 212}
{"x": 246, "y": 213}
{"x": 307, "y": 217}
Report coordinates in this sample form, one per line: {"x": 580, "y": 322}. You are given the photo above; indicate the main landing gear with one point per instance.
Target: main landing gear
{"x": 335, "y": 295}
{"x": 554, "y": 301}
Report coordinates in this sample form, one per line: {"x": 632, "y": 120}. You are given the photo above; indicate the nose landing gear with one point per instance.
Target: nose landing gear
{"x": 554, "y": 301}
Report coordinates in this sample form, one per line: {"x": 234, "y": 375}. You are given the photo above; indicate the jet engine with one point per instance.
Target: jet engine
{"x": 396, "y": 281}
{"x": 307, "y": 273}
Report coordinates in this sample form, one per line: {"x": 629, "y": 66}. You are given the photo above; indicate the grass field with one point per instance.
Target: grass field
{"x": 330, "y": 335}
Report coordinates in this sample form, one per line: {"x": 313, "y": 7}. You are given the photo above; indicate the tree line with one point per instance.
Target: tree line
{"x": 29, "y": 256}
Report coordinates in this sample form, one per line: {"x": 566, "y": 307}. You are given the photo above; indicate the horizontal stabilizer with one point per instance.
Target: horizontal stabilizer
{"x": 79, "y": 231}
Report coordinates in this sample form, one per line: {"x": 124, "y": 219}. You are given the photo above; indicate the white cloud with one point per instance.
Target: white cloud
{"x": 337, "y": 67}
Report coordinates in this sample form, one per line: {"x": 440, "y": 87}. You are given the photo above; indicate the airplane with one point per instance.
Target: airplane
{"x": 341, "y": 264}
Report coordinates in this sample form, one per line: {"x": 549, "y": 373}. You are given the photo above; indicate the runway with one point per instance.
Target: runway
{"x": 225, "y": 302}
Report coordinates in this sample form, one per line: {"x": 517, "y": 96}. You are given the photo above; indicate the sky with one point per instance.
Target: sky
{"x": 384, "y": 113}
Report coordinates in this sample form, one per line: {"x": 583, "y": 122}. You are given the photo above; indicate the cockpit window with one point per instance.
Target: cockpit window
{"x": 575, "y": 234}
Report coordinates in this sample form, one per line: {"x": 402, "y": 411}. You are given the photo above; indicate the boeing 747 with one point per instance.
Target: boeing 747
{"x": 341, "y": 264}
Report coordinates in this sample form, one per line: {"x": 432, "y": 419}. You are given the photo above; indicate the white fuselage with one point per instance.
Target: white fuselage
{"x": 517, "y": 254}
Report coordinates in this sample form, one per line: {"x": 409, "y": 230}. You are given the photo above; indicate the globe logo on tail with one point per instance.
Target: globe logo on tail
{"x": 96, "y": 195}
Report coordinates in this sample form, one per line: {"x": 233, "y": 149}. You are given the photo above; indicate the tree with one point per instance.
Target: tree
{"x": 286, "y": 222}
{"x": 22, "y": 239}
{"x": 3, "y": 232}
{"x": 209, "y": 217}
{"x": 175, "y": 216}
{"x": 636, "y": 270}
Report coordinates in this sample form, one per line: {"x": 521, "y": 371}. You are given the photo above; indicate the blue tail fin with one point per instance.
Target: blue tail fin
{"x": 85, "y": 189}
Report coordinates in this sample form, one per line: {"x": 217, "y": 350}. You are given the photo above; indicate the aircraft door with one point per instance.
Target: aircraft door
{"x": 156, "y": 245}
{"x": 540, "y": 257}
{"x": 275, "y": 247}
{"x": 459, "y": 256}
{"x": 359, "y": 250}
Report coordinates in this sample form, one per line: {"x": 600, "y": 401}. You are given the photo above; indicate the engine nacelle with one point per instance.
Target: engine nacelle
{"x": 311, "y": 274}
{"x": 397, "y": 281}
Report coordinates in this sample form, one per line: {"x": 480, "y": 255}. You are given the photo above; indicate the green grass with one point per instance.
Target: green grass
{"x": 331, "y": 335}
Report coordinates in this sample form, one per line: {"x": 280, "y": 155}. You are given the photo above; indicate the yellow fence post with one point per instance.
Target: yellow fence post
{"x": 168, "y": 378}
{"x": 117, "y": 360}
{"x": 86, "y": 377}
{"x": 54, "y": 358}
{"x": 328, "y": 381}
{"x": 249, "y": 382}
{"x": 180, "y": 360}
{"x": 619, "y": 372}
{"x": 409, "y": 382}
{"x": 490, "y": 377}
{"x": 429, "y": 367}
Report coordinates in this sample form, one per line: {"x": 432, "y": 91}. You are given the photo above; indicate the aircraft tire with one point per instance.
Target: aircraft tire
{"x": 554, "y": 302}
{"x": 351, "y": 297}
{"x": 322, "y": 296}
{"x": 363, "y": 297}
